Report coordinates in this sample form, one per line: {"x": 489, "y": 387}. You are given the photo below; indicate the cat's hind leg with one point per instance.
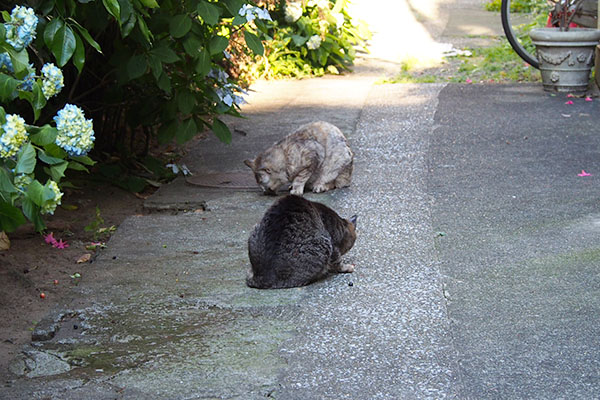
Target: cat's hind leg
{"x": 345, "y": 176}
{"x": 336, "y": 265}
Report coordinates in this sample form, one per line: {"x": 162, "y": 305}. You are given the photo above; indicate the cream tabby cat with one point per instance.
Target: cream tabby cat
{"x": 315, "y": 156}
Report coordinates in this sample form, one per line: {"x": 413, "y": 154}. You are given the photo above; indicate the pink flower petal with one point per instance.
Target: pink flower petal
{"x": 60, "y": 244}
{"x": 569, "y": 102}
{"x": 570, "y": 95}
{"x": 588, "y": 99}
{"x": 468, "y": 80}
{"x": 583, "y": 173}
{"x": 49, "y": 238}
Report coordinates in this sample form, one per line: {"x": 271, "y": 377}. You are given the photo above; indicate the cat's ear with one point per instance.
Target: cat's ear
{"x": 353, "y": 220}
{"x": 250, "y": 164}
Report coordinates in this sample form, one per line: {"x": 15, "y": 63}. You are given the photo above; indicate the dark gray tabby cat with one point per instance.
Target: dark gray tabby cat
{"x": 298, "y": 242}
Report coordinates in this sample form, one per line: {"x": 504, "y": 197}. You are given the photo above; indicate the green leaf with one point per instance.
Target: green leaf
{"x": 136, "y": 66}
{"x": 233, "y": 6}
{"x": 26, "y": 160}
{"x": 49, "y": 159}
{"x": 79, "y": 55}
{"x": 58, "y": 171}
{"x": 254, "y": 43}
{"x": 85, "y": 160}
{"x": 8, "y": 86}
{"x": 149, "y": 3}
{"x": 52, "y": 149}
{"x": 45, "y": 136}
{"x": 192, "y": 46}
{"x": 164, "y": 53}
{"x": 32, "y": 212}
{"x": 38, "y": 101}
{"x": 128, "y": 26}
{"x": 20, "y": 60}
{"x": 299, "y": 40}
{"x": 238, "y": 20}
{"x": 179, "y": 25}
{"x": 35, "y": 192}
{"x": 218, "y": 44}
{"x": 10, "y": 217}
{"x": 63, "y": 45}
{"x": 125, "y": 11}
{"x": 155, "y": 66}
{"x": 164, "y": 83}
{"x": 209, "y": 12}
{"x": 51, "y": 30}
{"x": 88, "y": 38}
{"x": 113, "y": 8}
{"x": 166, "y": 133}
{"x": 77, "y": 166}
{"x": 203, "y": 64}
{"x": 144, "y": 29}
{"x": 185, "y": 101}
{"x": 221, "y": 131}
{"x": 6, "y": 184}
{"x": 187, "y": 131}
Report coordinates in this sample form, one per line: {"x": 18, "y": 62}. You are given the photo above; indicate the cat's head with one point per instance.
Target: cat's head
{"x": 349, "y": 235}
{"x": 268, "y": 174}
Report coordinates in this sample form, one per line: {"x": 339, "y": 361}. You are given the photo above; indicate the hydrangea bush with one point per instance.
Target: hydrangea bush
{"x": 33, "y": 159}
{"x": 134, "y": 66}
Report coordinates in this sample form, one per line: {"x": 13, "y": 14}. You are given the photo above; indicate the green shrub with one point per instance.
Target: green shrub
{"x": 311, "y": 38}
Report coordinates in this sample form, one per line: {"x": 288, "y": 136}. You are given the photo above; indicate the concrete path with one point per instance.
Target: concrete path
{"x": 476, "y": 262}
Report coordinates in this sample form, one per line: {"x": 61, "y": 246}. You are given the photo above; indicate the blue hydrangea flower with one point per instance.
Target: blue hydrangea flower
{"x": 27, "y": 82}
{"x": 12, "y": 136}
{"x": 75, "y": 133}
{"x": 21, "y": 181}
{"x": 251, "y": 12}
{"x": 226, "y": 95}
{"x": 314, "y": 42}
{"x": 20, "y": 28}
{"x": 6, "y": 63}
{"x": 52, "y": 80}
{"x": 50, "y": 205}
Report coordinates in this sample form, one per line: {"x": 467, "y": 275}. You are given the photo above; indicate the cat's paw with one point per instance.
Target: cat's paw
{"x": 297, "y": 191}
{"x": 320, "y": 188}
{"x": 348, "y": 268}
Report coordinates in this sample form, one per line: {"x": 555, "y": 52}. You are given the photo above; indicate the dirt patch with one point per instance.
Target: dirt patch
{"x": 32, "y": 267}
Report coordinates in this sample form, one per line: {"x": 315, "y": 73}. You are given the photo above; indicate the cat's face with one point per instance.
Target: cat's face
{"x": 267, "y": 176}
{"x": 349, "y": 235}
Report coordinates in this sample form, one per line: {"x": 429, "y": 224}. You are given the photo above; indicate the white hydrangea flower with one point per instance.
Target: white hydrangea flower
{"x": 52, "y": 80}
{"x": 50, "y": 205}
{"x": 314, "y": 42}
{"x": 293, "y": 11}
{"x": 75, "y": 133}
{"x": 13, "y": 135}
{"x": 339, "y": 19}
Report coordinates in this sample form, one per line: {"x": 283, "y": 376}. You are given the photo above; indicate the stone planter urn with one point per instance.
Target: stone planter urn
{"x": 566, "y": 57}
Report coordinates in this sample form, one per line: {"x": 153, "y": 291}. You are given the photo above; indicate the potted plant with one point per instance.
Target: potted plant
{"x": 565, "y": 51}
